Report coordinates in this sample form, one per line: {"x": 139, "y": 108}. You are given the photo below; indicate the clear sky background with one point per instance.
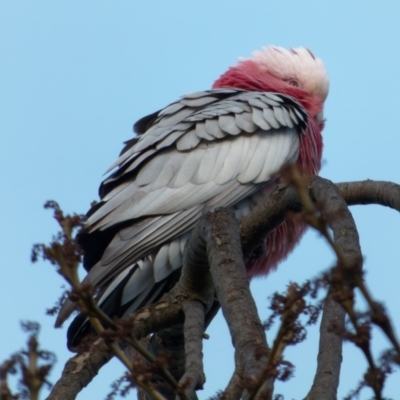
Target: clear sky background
{"x": 75, "y": 76}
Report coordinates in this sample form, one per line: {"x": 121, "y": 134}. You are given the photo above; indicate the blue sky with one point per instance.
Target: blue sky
{"x": 76, "y": 75}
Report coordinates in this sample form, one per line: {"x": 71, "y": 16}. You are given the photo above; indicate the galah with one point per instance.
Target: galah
{"x": 222, "y": 147}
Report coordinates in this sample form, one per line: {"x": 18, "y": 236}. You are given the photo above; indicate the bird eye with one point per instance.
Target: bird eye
{"x": 293, "y": 82}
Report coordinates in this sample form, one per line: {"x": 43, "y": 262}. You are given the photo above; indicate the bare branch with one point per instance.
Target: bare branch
{"x": 371, "y": 192}
{"x": 234, "y": 389}
{"x": 79, "y": 371}
{"x": 266, "y": 216}
{"x": 326, "y": 380}
{"x": 348, "y": 275}
{"x": 232, "y": 288}
{"x": 193, "y": 378}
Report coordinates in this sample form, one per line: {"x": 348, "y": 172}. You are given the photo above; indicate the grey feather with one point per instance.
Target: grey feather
{"x": 161, "y": 265}
{"x": 259, "y": 120}
{"x": 152, "y": 170}
{"x": 111, "y": 194}
{"x": 171, "y": 109}
{"x": 213, "y": 128}
{"x": 198, "y": 102}
{"x": 244, "y": 106}
{"x": 166, "y": 173}
{"x": 201, "y": 131}
{"x": 286, "y": 117}
{"x": 270, "y": 118}
{"x": 143, "y": 227}
{"x": 274, "y": 97}
{"x": 257, "y": 103}
{"x": 256, "y": 163}
{"x": 121, "y": 159}
{"x": 187, "y": 168}
{"x": 188, "y": 141}
{"x": 279, "y": 115}
{"x": 245, "y": 122}
{"x": 183, "y": 126}
{"x": 293, "y": 116}
{"x": 138, "y": 281}
{"x": 173, "y": 119}
{"x": 124, "y": 252}
{"x": 221, "y": 153}
{"x": 144, "y": 142}
{"x": 146, "y": 154}
{"x": 138, "y": 299}
{"x": 228, "y": 106}
{"x": 234, "y": 165}
{"x": 228, "y": 124}
{"x": 174, "y": 254}
{"x": 148, "y": 294}
{"x": 206, "y": 166}
{"x": 170, "y": 139}
{"x": 270, "y": 101}
{"x": 195, "y": 95}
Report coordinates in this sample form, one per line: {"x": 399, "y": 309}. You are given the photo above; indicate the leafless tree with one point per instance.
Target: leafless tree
{"x": 169, "y": 365}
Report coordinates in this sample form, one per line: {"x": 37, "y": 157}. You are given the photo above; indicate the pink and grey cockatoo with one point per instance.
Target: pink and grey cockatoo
{"x": 222, "y": 147}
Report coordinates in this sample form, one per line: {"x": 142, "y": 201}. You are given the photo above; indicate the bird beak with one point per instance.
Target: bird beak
{"x": 319, "y": 117}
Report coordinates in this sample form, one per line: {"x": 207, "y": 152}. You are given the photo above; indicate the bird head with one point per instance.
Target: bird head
{"x": 296, "y": 67}
{"x": 295, "y": 72}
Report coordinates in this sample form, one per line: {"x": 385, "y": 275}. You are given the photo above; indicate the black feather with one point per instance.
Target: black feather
{"x": 145, "y": 123}
{"x": 80, "y": 326}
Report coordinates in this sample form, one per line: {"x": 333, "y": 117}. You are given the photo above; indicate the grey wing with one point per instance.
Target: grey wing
{"x": 210, "y": 149}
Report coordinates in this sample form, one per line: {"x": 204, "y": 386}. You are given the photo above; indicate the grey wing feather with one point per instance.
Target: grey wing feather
{"x": 198, "y": 102}
{"x": 259, "y": 119}
{"x": 228, "y": 124}
{"x": 201, "y": 131}
{"x": 245, "y": 122}
{"x": 188, "y": 141}
{"x": 171, "y": 109}
{"x": 269, "y": 116}
{"x": 213, "y": 129}
{"x": 279, "y": 115}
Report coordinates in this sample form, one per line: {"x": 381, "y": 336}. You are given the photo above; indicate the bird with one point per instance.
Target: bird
{"x": 221, "y": 147}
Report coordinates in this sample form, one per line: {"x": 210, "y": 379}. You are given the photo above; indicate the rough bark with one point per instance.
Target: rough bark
{"x": 326, "y": 380}
{"x": 232, "y": 288}
{"x": 371, "y": 192}
{"x": 193, "y": 378}
{"x": 79, "y": 371}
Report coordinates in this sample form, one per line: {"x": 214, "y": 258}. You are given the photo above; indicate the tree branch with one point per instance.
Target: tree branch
{"x": 193, "y": 378}
{"x": 79, "y": 371}
{"x": 371, "y": 192}
{"x": 232, "y": 288}
{"x": 326, "y": 380}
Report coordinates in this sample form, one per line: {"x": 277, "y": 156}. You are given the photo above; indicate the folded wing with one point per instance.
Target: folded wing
{"x": 209, "y": 149}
